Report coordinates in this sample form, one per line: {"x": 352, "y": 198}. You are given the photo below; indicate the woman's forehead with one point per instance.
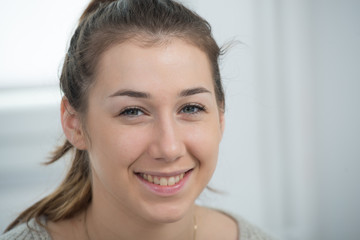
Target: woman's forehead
{"x": 177, "y": 63}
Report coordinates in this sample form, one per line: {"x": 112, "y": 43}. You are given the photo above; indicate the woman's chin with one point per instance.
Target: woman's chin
{"x": 166, "y": 214}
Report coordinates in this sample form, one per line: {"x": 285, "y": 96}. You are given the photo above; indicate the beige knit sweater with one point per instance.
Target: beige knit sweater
{"x": 33, "y": 231}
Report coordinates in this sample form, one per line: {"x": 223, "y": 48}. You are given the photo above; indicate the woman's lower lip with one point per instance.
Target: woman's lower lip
{"x": 165, "y": 190}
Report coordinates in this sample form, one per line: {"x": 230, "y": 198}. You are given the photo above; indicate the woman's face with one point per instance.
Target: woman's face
{"x": 154, "y": 128}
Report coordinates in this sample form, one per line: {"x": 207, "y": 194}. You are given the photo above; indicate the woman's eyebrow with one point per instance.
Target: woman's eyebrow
{"x": 130, "y": 93}
{"x": 193, "y": 91}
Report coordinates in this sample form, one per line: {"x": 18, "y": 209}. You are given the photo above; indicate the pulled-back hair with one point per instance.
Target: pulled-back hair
{"x": 103, "y": 24}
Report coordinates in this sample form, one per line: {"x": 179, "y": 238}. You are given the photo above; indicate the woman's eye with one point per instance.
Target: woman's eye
{"x": 132, "y": 112}
{"x": 192, "y": 109}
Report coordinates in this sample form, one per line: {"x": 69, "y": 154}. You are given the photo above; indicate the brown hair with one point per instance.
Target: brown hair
{"x": 103, "y": 24}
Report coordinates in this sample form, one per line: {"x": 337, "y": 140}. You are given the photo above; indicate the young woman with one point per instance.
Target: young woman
{"x": 143, "y": 115}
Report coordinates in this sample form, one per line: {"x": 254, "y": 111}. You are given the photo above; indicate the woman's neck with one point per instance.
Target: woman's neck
{"x": 108, "y": 222}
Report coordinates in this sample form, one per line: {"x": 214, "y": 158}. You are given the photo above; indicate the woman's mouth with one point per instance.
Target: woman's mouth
{"x": 164, "y": 184}
{"x": 162, "y": 181}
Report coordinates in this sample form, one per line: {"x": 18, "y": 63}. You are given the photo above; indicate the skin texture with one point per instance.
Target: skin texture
{"x": 143, "y": 118}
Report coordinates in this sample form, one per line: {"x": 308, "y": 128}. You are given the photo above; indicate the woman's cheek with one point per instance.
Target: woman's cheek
{"x": 204, "y": 144}
{"x": 130, "y": 144}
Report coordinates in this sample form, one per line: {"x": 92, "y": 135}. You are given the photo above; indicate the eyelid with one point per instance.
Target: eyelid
{"x": 122, "y": 111}
{"x": 201, "y": 107}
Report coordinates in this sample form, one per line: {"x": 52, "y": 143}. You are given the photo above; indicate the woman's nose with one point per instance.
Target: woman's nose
{"x": 166, "y": 143}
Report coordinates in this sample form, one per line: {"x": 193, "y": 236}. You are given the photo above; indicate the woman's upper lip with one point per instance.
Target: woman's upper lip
{"x": 164, "y": 174}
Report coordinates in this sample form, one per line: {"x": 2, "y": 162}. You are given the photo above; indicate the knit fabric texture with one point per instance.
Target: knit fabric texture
{"x": 34, "y": 231}
{"x": 30, "y": 231}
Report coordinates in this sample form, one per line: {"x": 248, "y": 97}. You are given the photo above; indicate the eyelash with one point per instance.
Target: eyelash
{"x": 126, "y": 111}
{"x": 199, "y": 107}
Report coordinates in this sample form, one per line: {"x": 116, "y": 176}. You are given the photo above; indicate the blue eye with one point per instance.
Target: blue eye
{"x": 192, "y": 109}
{"x": 132, "y": 112}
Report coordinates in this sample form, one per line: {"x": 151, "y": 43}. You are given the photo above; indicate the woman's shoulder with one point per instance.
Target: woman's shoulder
{"x": 27, "y": 231}
{"x": 213, "y": 224}
{"x": 219, "y": 223}
{"x": 248, "y": 231}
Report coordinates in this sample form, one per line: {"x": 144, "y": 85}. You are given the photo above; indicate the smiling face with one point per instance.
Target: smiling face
{"x": 154, "y": 128}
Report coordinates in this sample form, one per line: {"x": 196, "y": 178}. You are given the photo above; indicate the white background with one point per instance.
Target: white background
{"x": 290, "y": 157}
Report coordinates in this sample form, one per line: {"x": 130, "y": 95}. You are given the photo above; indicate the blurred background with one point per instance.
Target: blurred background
{"x": 290, "y": 156}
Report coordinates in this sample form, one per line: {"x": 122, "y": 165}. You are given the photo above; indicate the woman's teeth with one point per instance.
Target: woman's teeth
{"x": 163, "y": 181}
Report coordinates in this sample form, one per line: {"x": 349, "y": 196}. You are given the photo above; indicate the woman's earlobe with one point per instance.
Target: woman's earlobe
{"x": 72, "y": 126}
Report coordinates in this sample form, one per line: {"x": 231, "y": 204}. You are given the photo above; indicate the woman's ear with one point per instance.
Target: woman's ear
{"x": 71, "y": 124}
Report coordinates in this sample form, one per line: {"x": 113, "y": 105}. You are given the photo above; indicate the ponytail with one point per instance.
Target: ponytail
{"x": 71, "y": 197}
